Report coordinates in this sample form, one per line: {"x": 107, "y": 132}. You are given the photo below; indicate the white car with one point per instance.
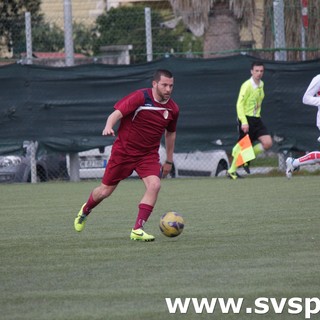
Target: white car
{"x": 18, "y": 168}
{"x": 212, "y": 163}
{"x": 206, "y": 164}
{"x": 92, "y": 163}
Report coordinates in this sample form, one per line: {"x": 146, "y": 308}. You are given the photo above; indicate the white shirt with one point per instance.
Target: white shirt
{"x": 312, "y": 96}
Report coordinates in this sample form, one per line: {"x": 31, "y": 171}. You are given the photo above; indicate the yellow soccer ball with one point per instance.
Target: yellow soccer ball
{"x": 171, "y": 224}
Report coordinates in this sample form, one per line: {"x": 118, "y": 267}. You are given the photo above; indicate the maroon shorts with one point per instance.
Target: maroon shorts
{"x": 120, "y": 166}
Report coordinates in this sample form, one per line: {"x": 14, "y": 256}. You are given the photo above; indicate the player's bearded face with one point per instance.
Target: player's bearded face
{"x": 163, "y": 89}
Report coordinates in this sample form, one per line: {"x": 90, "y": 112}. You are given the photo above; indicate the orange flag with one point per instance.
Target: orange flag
{"x": 243, "y": 151}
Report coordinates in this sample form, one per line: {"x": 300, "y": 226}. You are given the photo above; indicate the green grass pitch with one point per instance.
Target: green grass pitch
{"x": 250, "y": 238}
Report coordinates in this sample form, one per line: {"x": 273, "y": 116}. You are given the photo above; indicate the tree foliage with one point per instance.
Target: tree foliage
{"x": 47, "y": 38}
{"x": 126, "y": 25}
{"x": 12, "y": 21}
{"x": 50, "y": 38}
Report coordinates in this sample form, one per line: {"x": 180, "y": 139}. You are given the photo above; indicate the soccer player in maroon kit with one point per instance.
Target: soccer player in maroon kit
{"x": 144, "y": 115}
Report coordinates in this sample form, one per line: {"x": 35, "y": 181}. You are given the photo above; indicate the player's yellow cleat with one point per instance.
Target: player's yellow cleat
{"x": 140, "y": 235}
{"x": 80, "y": 220}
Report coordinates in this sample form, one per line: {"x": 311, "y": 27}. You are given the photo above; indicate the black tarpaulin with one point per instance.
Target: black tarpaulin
{"x": 65, "y": 109}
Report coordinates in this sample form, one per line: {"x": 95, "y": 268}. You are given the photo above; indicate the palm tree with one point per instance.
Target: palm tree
{"x": 221, "y": 22}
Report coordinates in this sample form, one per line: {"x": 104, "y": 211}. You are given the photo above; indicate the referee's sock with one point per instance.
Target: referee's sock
{"x": 258, "y": 148}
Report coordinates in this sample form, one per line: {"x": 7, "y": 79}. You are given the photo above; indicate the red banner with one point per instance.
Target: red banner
{"x": 304, "y": 13}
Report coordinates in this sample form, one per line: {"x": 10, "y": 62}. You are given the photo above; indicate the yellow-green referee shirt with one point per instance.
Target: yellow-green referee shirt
{"x": 250, "y": 100}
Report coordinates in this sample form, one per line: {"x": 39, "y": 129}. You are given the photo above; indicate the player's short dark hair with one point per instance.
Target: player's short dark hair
{"x": 257, "y": 64}
{"x": 162, "y": 72}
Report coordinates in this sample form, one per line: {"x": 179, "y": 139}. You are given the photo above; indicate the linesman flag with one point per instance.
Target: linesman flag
{"x": 243, "y": 151}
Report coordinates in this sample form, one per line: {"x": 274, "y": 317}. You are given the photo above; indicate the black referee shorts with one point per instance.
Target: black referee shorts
{"x": 256, "y": 128}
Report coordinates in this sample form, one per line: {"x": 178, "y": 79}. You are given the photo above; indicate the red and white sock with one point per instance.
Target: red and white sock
{"x": 310, "y": 158}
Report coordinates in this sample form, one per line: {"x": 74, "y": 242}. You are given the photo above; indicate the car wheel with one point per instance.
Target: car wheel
{"x": 222, "y": 166}
{"x": 41, "y": 175}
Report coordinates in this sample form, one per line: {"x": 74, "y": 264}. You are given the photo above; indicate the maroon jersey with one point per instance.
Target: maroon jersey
{"x": 144, "y": 122}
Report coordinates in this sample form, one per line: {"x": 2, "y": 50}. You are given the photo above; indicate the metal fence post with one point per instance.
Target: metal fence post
{"x": 68, "y": 40}
{"x": 69, "y": 60}
{"x": 33, "y": 145}
{"x": 282, "y": 160}
{"x": 28, "y": 37}
{"x": 33, "y": 161}
{"x": 279, "y": 31}
{"x": 147, "y": 16}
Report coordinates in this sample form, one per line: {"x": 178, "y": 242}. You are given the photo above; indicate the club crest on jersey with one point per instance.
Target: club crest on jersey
{"x": 165, "y": 114}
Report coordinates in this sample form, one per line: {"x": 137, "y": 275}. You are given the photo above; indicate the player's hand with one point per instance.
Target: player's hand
{"x": 108, "y": 132}
{"x": 245, "y": 128}
{"x": 166, "y": 169}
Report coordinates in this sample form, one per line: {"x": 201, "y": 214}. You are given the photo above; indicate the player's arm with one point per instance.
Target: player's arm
{"x": 170, "y": 138}
{"x": 114, "y": 117}
{"x": 242, "y": 98}
{"x": 310, "y": 97}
